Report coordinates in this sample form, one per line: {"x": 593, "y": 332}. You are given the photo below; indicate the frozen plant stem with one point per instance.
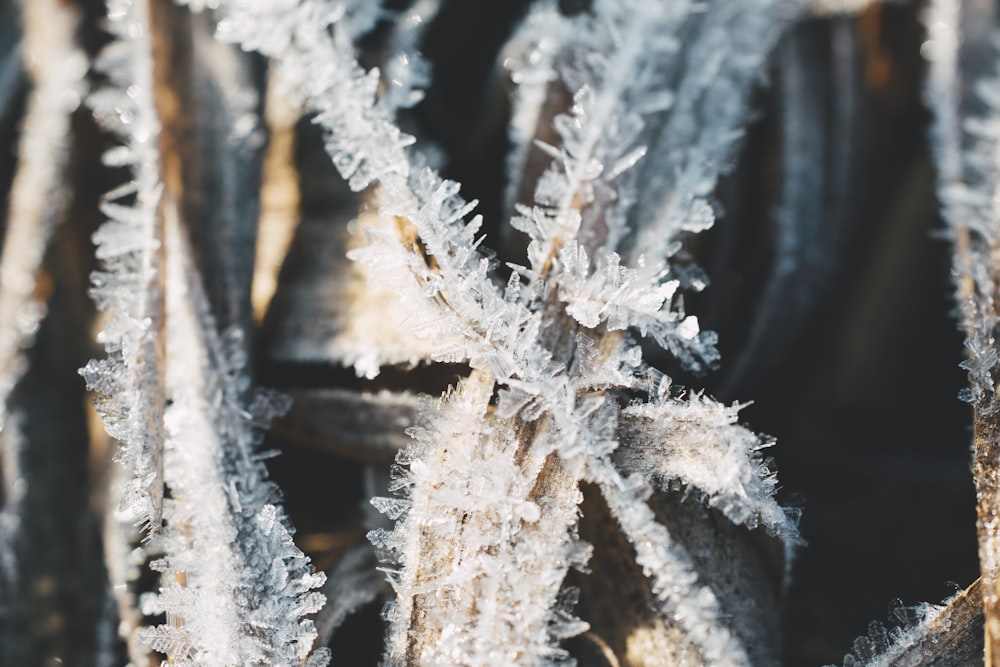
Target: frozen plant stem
{"x": 234, "y": 587}
{"x": 38, "y": 202}
{"x": 129, "y": 382}
{"x": 968, "y": 158}
{"x": 463, "y": 538}
{"x": 38, "y": 199}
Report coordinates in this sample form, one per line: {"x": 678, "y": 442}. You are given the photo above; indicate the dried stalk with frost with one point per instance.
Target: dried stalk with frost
{"x": 460, "y": 535}
{"x": 130, "y": 290}
{"x": 37, "y": 203}
{"x": 234, "y": 587}
{"x": 967, "y": 154}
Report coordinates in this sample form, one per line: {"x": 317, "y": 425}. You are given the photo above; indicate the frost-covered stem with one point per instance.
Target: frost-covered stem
{"x": 968, "y": 159}
{"x": 675, "y": 582}
{"x": 986, "y": 472}
{"x": 130, "y": 289}
{"x": 39, "y": 197}
{"x": 945, "y": 634}
{"x": 483, "y": 556}
{"x": 613, "y": 59}
{"x": 525, "y": 352}
{"x": 38, "y": 201}
{"x": 531, "y": 58}
{"x": 631, "y": 29}
{"x": 236, "y": 590}
{"x": 203, "y": 566}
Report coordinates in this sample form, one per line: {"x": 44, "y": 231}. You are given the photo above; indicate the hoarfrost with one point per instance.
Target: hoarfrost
{"x": 175, "y": 392}
{"x": 474, "y": 552}
{"x": 129, "y": 382}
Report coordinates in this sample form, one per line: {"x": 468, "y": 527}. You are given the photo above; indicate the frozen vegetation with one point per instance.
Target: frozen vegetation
{"x": 576, "y": 495}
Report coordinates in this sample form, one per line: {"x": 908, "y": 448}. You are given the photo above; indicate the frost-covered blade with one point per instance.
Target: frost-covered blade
{"x": 693, "y": 141}
{"x": 695, "y": 444}
{"x": 235, "y": 587}
{"x": 37, "y": 203}
{"x": 232, "y": 575}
